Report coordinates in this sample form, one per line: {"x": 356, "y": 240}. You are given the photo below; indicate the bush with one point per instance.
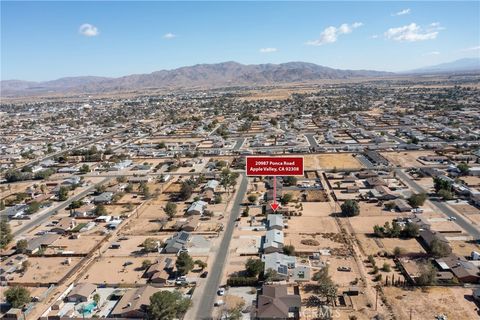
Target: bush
{"x": 350, "y": 208}
{"x": 242, "y": 281}
{"x": 378, "y": 277}
{"x": 386, "y": 267}
{"x": 417, "y": 200}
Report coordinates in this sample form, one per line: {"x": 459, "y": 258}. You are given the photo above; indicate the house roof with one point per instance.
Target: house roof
{"x": 83, "y": 289}
{"x": 275, "y": 220}
{"x": 275, "y": 302}
{"x": 136, "y": 299}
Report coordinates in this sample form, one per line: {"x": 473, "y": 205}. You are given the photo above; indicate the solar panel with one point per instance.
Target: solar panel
{"x": 282, "y": 269}
{"x": 183, "y": 236}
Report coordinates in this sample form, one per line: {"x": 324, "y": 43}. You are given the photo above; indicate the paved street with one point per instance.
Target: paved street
{"x": 311, "y": 140}
{"x": 44, "y": 217}
{"x": 204, "y": 307}
{"x": 441, "y": 206}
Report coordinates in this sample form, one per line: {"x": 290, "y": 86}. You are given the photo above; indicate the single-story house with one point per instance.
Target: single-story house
{"x": 177, "y": 242}
{"x": 197, "y": 208}
{"x": 273, "y": 241}
{"x": 134, "y": 303}
{"x": 275, "y": 302}
{"x": 81, "y": 292}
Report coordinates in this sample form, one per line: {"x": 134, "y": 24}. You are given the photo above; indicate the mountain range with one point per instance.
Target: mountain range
{"x": 208, "y": 76}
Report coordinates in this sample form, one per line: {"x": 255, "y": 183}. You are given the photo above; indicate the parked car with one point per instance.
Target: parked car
{"x": 221, "y": 292}
{"x": 345, "y": 269}
{"x": 204, "y": 274}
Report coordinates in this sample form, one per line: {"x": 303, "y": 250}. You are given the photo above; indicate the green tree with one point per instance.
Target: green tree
{"x": 100, "y": 210}
{"x": 463, "y": 168}
{"x": 326, "y": 288}
{"x": 427, "y": 275}
{"x": 410, "y": 230}
{"x": 218, "y": 199}
{"x": 441, "y": 184}
{"x": 170, "y": 210}
{"x": 252, "y": 198}
{"x": 184, "y": 263}
{"x": 286, "y": 198}
{"x": 201, "y": 264}
{"x": 417, "y": 200}
{"x": 33, "y": 207}
{"x": 21, "y": 246}
{"x": 350, "y": 208}
{"x": 439, "y": 248}
{"x": 17, "y": 296}
{"x": 167, "y": 305}
{"x": 445, "y": 194}
{"x": 5, "y": 233}
{"x": 289, "y": 250}
{"x": 84, "y": 168}
{"x": 96, "y": 299}
{"x": 254, "y": 267}
{"x": 150, "y": 245}
{"x": 63, "y": 193}
{"x": 146, "y": 264}
{"x": 185, "y": 191}
{"x": 290, "y": 180}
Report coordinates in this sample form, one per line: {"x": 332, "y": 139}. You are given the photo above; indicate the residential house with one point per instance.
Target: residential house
{"x": 273, "y": 241}
{"x": 134, "y": 303}
{"x": 197, "y": 208}
{"x": 275, "y": 302}
{"x": 64, "y": 225}
{"x": 103, "y": 198}
{"x": 161, "y": 271}
{"x": 462, "y": 269}
{"x": 402, "y": 205}
{"x": 82, "y": 292}
{"x": 178, "y": 242}
{"x": 275, "y": 221}
{"x": 41, "y": 242}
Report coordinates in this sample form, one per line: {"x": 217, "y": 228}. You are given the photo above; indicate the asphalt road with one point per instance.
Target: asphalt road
{"x": 205, "y": 304}
{"x": 441, "y": 206}
{"x": 44, "y": 217}
{"x": 311, "y": 140}
{"x": 239, "y": 144}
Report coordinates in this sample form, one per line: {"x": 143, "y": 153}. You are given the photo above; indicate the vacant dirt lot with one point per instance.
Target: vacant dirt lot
{"x": 453, "y": 302}
{"x": 330, "y": 161}
{"x": 46, "y": 270}
{"x": 406, "y": 158}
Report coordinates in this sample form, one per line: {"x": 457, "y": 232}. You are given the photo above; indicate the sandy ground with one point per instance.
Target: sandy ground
{"x": 46, "y": 270}
{"x": 406, "y": 158}
{"x": 330, "y": 161}
{"x": 453, "y": 302}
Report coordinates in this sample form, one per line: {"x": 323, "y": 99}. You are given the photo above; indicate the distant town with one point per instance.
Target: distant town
{"x": 138, "y": 205}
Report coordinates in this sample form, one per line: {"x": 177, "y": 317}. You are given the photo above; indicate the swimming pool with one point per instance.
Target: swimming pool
{"x": 87, "y": 308}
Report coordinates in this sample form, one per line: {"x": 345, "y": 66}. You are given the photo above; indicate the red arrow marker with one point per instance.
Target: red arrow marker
{"x": 274, "y": 205}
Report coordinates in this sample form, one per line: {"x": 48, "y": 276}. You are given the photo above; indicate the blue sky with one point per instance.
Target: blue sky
{"x": 48, "y": 40}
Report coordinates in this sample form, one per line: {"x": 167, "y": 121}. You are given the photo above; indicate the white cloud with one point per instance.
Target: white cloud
{"x": 413, "y": 32}
{"x": 169, "y": 35}
{"x": 470, "y": 49}
{"x": 88, "y": 30}
{"x": 330, "y": 34}
{"x": 432, "y": 53}
{"x": 374, "y": 36}
{"x": 402, "y": 12}
{"x": 268, "y": 50}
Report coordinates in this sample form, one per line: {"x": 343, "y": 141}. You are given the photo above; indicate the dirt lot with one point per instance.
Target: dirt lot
{"x": 46, "y": 270}
{"x": 406, "y": 159}
{"x": 453, "y": 302}
{"x": 306, "y": 224}
{"x": 111, "y": 270}
{"x": 330, "y": 161}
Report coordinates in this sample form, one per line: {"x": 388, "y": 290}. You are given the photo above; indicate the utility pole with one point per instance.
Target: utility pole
{"x": 376, "y": 297}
